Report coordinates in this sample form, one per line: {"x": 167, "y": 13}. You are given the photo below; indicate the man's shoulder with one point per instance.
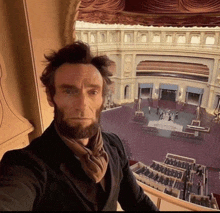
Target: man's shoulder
{"x": 36, "y": 148}
{"x": 111, "y": 137}
{"x": 113, "y": 140}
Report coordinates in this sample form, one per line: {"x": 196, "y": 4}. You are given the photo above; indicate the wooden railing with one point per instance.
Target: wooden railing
{"x": 167, "y": 202}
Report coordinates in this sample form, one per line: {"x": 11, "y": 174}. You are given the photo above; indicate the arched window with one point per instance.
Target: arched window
{"x": 92, "y": 38}
{"x": 181, "y": 39}
{"x": 126, "y": 92}
{"x": 195, "y": 39}
{"x": 210, "y": 40}
{"x": 156, "y": 38}
{"x": 102, "y": 38}
{"x": 85, "y": 37}
{"x": 143, "y": 38}
{"x": 127, "y": 38}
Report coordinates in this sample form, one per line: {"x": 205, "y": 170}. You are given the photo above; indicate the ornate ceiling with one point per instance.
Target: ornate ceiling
{"x": 175, "y": 13}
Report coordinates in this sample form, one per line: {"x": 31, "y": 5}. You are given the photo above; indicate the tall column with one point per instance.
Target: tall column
{"x": 211, "y": 99}
{"x": 121, "y": 74}
{"x": 122, "y": 65}
{"x": 133, "y": 74}
{"x": 89, "y": 37}
{"x": 188, "y": 38}
{"x": 212, "y": 79}
{"x": 108, "y": 37}
{"x": 216, "y": 38}
{"x": 163, "y": 38}
{"x": 81, "y": 35}
{"x": 156, "y": 88}
{"x": 135, "y": 37}
{"x": 98, "y": 37}
{"x": 122, "y": 88}
{"x": 131, "y": 92}
{"x": 151, "y": 35}
{"x": 183, "y": 95}
{"x": 213, "y": 74}
{"x": 186, "y": 99}
{"x": 122, "y": 38}
{"x": 202, "y": 38}
{"x": 174, "y": 38}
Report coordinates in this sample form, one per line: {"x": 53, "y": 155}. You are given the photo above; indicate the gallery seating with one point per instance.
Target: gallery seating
{"x": 202, "y": 200}
{"x": 177, "y": 163}
{"x": 165, "y": 170}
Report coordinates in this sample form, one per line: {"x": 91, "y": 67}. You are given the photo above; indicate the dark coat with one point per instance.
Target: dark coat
{"x": 45, "y": 175}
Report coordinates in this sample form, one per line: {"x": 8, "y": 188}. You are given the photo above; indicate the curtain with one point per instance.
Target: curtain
{"x": 102, "y": 5}
{"x": 177, "y": 13}
{"x": 176, "y": 6}
{"x": 198, "y": 6}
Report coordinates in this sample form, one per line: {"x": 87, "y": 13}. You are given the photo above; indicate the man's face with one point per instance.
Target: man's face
{"x": 78, "y": 99}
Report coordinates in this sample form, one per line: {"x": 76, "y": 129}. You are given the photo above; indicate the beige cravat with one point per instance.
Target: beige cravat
{"x": 94, "y": 161}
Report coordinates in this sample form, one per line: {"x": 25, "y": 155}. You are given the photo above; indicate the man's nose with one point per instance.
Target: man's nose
{"x": 81, "y": 102}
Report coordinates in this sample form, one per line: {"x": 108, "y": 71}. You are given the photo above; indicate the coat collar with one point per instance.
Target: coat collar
{"x": 65, "y": 159}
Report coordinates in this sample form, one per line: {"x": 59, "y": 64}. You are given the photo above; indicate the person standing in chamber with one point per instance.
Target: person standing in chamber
{"x": 73, "y": 165}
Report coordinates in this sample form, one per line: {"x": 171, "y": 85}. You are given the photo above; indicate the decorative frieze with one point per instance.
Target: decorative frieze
{"x": 138, "y": 35}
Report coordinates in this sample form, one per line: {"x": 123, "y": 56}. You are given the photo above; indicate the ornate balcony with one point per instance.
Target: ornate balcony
{"x": 113, "y": 37}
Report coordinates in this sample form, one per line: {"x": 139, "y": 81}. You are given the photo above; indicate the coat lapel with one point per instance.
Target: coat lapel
{"x": 81, "y": 183}
{"x": 70, "y": 167}
{"x": 114, "y": 172}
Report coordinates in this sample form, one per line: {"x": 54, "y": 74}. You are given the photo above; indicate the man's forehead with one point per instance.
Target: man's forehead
{"x": 78, "y": 73}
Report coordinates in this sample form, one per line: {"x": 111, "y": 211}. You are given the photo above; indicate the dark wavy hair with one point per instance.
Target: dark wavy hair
{"x": 75, "y": 53}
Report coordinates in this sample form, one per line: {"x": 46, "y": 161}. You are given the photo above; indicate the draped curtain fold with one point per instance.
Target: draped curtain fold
{"x": 198, "y": 6}
{"x": 158, "y": 6}
{"x": 102, "y": 5}
{"x": 181, "y": 6}
{"x": 178, "y": 13}
{"x": 153, "y": 6}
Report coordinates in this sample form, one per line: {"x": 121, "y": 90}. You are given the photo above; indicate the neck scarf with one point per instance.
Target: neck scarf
{"x": 94, "y": 161}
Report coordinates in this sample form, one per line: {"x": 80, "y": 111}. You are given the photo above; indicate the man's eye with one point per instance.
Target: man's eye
{"x": 93, "y": 92}
{"x": 69, "y": 91}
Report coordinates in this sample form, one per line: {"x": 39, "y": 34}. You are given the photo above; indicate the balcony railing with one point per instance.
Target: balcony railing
{"x": 207, "y": 39}
{"x": 167, "y": 202}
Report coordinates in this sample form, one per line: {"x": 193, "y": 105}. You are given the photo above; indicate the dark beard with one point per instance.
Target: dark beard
{"x": 78, "y": 131}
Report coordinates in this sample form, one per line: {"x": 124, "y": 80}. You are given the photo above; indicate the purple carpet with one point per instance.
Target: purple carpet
{"x": 146, "y": 147}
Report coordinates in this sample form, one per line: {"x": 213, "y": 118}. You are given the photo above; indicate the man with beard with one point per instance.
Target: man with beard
{"x": 73, "y": 165}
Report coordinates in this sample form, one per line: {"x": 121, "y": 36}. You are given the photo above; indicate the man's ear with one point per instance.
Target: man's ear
{"x": 49, "y": 99}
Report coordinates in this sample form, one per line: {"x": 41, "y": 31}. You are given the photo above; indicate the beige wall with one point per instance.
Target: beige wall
{"x": 14, "y": 47}
{"x": 46, "y": 27}
{"x": 9, "y": 56}
{"x": 30, "y": 29}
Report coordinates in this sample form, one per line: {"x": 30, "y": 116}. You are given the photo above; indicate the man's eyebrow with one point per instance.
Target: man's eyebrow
{"x": 67, "y": 86}
{"x": 96, "y": 86}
